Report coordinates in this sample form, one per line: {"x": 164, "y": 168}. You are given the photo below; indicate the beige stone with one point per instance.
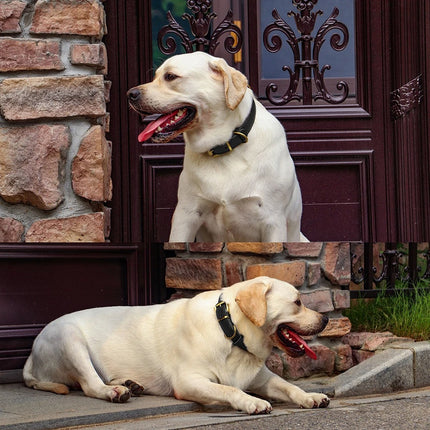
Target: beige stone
{"x": 29, "y": 54}
{"x": 336, "y": 263}
{"x": 292, "y": 272}
{"x": 83, "y": 228}
{"x": 318, "y": 300}
{"x": 255, "y": 247}
{"x": 85, "y": 18}
{"x": 32, "y": 162}
{"x": 194, "y": 273}
{"x": 93, "y": 55}
{"x": 10, "y": 15}
{"x": 336, "y": 327}
{"x": 92, "y": 167}
{"x": 304, "y": 249}
{"x": 11, "y": 230}
{"x": 52, "y": 97}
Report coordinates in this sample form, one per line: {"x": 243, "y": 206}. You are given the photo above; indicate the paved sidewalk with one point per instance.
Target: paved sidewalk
{"x": 401, "y": 367}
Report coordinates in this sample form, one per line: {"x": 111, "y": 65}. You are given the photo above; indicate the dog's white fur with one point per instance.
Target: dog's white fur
{"x": 250, "y": 194}
{"x": 176, "y": 349}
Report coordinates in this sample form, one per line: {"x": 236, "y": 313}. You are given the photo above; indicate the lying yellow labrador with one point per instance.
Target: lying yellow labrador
{"x": 238, "y": 181}
{"x": 209, "y": 349}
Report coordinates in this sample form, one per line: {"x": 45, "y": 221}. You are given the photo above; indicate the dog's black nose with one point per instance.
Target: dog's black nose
{"x": 133, "y": 94}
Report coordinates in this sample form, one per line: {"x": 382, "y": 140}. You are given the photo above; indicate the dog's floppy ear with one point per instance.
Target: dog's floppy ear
{"x": 252, "y": 302}
{"x": 235, "y": 83}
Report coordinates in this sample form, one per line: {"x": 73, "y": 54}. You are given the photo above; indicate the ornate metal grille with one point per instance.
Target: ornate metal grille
{"x": 306, "y": 49}
{"x": 201, "y": 23}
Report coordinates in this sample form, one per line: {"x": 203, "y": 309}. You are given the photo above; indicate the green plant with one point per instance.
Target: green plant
{"x": 406, "y": 313}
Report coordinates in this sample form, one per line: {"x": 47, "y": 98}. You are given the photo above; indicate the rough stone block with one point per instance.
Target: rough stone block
{"x": 194, "y": 273}
{"x": 304, "y": 249}
{"x": 341, "y": 299}
{"x": 292, "y": 272}
{"x": 175, "y": 246}
{"x": 304, "y": 366}
{"x": 32, "y": 162}
{"x": 85, "y": 18}
{"x": 318, "y": 300}
{"x": 255, "y": 247}
{"x": 336, "y": 263}
{"x": 83, "y": 228}
{"x": 52, "y": 97}
{"x": 344, "y": 359}
{"x": 92, "y": 167}
{"x": 10, "y": 15}
{"x": 233, "y": 272}
{"x": 29, "y": 54}
{"x": 93, "y": 55}
{"x": 314, "y": 273}
{"x": 11, "y": 230}
{"x": 205, "y": 246}
{"x": 275, "y": 363}
{"x": 336, "y": 327}
{"x": 359, "y": 355}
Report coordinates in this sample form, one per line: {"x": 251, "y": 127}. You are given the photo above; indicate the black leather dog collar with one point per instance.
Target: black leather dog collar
{"x": 230, "y": 330}
{"x": 240, "y": 135}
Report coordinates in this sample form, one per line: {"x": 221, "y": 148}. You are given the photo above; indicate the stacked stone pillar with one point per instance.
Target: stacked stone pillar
{"x": 55, "y": 162}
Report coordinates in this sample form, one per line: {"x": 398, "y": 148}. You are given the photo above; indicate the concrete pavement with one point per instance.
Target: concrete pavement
{"x": 400, "y": 367}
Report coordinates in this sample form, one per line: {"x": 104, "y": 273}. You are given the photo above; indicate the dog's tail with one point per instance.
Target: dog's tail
{"x": 32, "y": 382}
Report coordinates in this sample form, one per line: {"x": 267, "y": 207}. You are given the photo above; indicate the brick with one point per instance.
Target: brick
{"x": 32, "y": 163}
{"x": 84, "y": 18}
{"x": 356, "y": 339}
{"x": 314, "y": 273}
{"x": 233, "y": 272}
{"x": 309, "y": 249}
{"x": 11, "y": 230}
{"x": 92, "y": 167}
{"x": 255, "y": 247}
{"x": 10, "y": 15}
{"x": 344, "y": 359}
{"x": 359, "y": 355}
{"x": 52, "y": 97}
{"x": 336, "y": 263}
{"x": 175, "y": 246}
{"x": 292, "y": 272}
{"x": 318, "y": 300}
{"x": 94, "y": 55}
{"x": 205, "y": 246}
{"x": 30, "y": 54}
{"x": 193, "y": 273}
{"x": 336, "y": 327}
{"x": 304, "y": 366}
{"x": 83, "y": 228}
{"x": 341, "y": 299}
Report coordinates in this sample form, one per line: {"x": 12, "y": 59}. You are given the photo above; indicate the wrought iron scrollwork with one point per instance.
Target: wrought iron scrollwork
{"x": 306, "y": 59}
{"x": 200, "y": 24}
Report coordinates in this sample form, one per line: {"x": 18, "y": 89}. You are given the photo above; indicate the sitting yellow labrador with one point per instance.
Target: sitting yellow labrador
{"x": 238, "y": 181}
{"x": 209, "y": 349}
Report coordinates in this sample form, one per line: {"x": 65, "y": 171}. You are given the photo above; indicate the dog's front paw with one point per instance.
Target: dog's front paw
{"x": 255, "y": 406}
{"x": 315, "y": 400}
{"x": 119, "y": 394}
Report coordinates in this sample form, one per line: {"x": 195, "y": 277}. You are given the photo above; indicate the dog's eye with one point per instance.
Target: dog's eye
{"x": 170, "y": 77}
{"x": 298, "y": 302}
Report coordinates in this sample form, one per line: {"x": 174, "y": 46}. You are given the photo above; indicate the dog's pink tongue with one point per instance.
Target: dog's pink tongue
{"x": 309, "y": 352}
{"x": 152, "y": 126}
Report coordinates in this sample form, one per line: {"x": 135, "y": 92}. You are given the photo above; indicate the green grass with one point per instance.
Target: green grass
{"x": 404, "y": 314}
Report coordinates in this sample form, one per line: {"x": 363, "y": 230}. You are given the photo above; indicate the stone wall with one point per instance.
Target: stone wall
{"x": 320, "y": 271}
{"x": 55, "y": 162}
